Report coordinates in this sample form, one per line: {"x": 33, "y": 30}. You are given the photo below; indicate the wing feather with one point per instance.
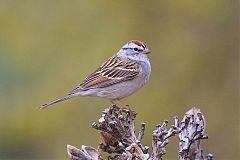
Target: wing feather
{"x": 113, "y": 71}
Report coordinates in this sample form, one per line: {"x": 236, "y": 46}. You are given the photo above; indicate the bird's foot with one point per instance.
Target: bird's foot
{"x": 125, "y": 108}
{"x": 121, "y": 106}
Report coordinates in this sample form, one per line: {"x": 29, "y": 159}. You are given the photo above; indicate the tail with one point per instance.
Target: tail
{"x": 57, "y": 101}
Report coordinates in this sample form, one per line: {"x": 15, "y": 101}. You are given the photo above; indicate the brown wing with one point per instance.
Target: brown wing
{"x": 113, "y": 71}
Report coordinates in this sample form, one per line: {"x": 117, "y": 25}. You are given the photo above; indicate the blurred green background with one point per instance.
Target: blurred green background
{"x": 48, "y": 47}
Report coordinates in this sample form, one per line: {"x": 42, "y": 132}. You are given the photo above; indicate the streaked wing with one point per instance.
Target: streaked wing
{"x": 113, "y": 71}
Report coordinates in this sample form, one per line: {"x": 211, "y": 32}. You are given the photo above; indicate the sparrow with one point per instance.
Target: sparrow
{"x": 119, "y": 77}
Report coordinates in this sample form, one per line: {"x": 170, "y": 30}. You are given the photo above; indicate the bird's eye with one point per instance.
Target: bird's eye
{"x": 135, "y": 49}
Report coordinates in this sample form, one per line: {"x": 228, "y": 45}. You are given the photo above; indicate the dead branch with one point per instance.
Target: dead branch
{"x": 117, "y": 129}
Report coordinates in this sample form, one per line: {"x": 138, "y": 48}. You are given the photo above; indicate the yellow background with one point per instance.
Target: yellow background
{"x": 48, "y": 47}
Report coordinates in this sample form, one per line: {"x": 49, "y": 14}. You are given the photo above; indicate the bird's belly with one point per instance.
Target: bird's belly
{"x": 117, "y": 91}
{"x": 121, "y": 90}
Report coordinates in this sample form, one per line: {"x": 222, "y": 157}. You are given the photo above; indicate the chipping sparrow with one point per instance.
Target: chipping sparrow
{"x": 119, "y": 77}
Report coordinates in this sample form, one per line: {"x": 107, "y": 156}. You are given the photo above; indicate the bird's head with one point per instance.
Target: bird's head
{"x": 134, "y": 50}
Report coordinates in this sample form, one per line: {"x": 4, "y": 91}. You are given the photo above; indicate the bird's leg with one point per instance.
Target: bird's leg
{"x": 115, "y": 104}
{"x": 121, "y": 104}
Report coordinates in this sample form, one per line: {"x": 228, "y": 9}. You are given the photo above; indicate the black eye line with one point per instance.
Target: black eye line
{"x": 135, "y": 49}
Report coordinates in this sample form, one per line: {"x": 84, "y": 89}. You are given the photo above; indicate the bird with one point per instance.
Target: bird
{"x": 120, "y": 76}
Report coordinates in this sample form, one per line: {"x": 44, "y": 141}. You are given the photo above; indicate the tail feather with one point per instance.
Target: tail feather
{"x": 57, "y": 101}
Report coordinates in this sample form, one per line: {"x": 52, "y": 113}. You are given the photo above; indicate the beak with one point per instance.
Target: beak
{"x": 147, "y": 51}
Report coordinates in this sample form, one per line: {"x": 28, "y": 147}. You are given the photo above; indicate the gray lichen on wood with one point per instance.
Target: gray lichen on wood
{"x": 117, "y": 129}
{"x": 86, "y": 153}
{"x": 160, "y": 138}
{"x": 190, "y": 135}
